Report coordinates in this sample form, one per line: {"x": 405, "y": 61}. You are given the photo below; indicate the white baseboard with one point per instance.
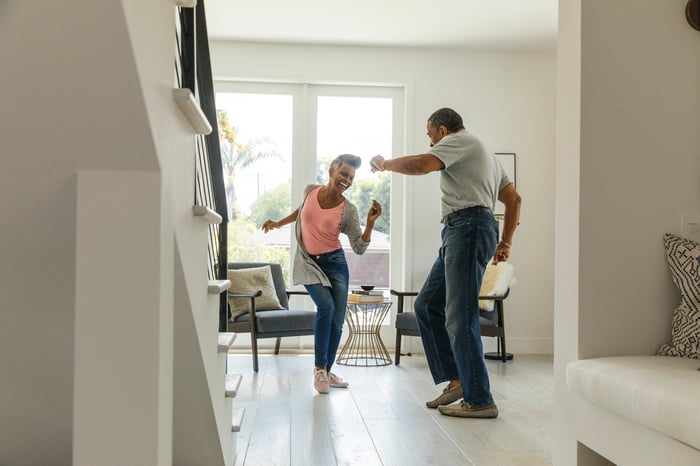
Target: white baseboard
{"x": 410, "y": 344}
{"x": 522, "y": 345}
{"x": 513, "y": 345}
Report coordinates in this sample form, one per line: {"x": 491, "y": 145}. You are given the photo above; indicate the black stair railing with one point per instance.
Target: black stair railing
{"x": 193, "y": 70}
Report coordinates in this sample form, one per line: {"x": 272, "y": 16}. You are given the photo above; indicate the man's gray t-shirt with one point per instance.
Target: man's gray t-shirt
{"x": 472, "y": 176}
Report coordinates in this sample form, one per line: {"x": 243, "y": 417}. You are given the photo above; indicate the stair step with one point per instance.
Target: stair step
{"x": 218, "y": 286}
{"x": 206, "y": 215}
{"x": 226, "y": 339}
{"x": 233, "y": 381}
{"x": 237, "y": 419}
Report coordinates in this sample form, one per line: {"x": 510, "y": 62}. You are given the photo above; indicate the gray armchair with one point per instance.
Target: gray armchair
{"x": 492, "y": 324}
{"x": 495, "y": 288}
{"x": 268, "y": 323}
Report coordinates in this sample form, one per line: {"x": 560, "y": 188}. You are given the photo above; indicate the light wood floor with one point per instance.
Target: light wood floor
{"x": 381, "y": 419}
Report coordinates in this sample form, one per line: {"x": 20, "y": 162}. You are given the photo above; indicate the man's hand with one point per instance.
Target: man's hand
{"x": 376, "y": 163}
{"x": 502, "y": 252}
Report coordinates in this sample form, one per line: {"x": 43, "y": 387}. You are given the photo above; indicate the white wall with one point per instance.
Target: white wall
{"x": 74, "y": 101}
{"x": 638, "y": 138}
{"x": 566, "y": 262}
{"x": 640, "y": 167}
{"x": 506, "y": 98}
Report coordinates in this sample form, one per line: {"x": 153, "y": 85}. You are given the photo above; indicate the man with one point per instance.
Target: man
{"x": 447, "y": 307}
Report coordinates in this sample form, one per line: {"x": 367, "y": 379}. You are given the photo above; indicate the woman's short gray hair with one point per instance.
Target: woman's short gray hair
{"x": 352, "y": 160}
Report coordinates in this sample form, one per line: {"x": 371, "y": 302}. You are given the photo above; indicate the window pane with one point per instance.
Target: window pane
{"x": 256, "y": 144}
{"x": 360, "y": 126}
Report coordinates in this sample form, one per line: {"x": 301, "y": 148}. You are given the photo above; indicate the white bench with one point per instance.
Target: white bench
{"x": 638, "y": 410}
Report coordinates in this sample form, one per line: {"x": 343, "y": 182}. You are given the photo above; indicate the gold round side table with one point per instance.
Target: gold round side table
{"x": 364, "y": 346}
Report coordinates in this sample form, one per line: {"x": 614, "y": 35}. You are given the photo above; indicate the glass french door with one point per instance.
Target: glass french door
{"x": 277, "y": 138}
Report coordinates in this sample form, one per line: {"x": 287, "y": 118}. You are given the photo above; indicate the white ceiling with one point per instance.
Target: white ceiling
{"x": 482, "y": 24}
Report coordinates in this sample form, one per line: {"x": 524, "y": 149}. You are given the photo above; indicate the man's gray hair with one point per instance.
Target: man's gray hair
{"x": 448, "y": 118}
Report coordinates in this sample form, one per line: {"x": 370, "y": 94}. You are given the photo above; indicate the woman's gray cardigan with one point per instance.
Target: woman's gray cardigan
{"x": 304, "y": 270}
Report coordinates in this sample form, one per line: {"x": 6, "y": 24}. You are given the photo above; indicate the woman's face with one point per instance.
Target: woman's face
{"x": 340, "y": 179}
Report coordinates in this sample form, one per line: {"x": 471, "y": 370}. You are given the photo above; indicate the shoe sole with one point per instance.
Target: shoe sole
{"x": 488, "y": 413}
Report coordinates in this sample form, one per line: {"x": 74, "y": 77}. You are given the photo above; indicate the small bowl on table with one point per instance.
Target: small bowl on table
{"x": 367, "y": 287}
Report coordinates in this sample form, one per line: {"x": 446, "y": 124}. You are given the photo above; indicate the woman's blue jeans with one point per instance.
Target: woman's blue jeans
{"x": 331, "y": 303}
{"x": 447, "y": 307}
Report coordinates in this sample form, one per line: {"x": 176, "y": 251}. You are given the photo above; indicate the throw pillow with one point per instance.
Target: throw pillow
{"x": 683, "y": 257}
{"x": 497, "y": 279}
{"x": 250, "y": 281}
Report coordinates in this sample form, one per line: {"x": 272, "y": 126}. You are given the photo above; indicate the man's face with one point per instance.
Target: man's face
{"x": 435, "y": 134}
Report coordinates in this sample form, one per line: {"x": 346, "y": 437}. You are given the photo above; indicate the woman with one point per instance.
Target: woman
{"x": 319, "y": 262}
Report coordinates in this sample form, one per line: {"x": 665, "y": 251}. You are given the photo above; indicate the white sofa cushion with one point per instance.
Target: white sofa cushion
{"x": 660, "y": 392}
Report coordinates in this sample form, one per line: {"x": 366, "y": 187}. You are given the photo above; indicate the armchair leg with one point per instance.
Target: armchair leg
{"x": 254, "y": 345}
{"x": 501, "y": 354}
{"x": 397, "y": 356}
{"x": 277, "y": 345}
{"x": 501, "y": 339}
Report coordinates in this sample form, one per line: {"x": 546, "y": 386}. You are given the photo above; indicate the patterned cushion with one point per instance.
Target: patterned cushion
{"x": 251, "y": 280}
{"x": 683, "y": 258}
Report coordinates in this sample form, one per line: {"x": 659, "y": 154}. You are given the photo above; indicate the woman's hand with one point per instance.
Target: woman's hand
{"x": 269, "y": 225}
{"x": 374, "y": 212}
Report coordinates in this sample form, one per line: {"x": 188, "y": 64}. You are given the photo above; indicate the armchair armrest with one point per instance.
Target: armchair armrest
{"x": 401, "y": 295}
{"x": 496, "y": 298}
{"x": 252, "y": 296}
{"x": 235, "y": 294}
{"x": 291, "y": 293}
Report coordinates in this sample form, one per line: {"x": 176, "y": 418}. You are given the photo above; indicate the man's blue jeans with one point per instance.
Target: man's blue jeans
{"x": 447, "y": 307}
{"x": 331, "y": 304}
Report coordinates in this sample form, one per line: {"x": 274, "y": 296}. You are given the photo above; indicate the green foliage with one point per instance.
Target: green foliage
{"x": 364, "y": 191}
{"x": 235, "y": 155}
{"x": 244, "y": 247}
{"x": 274, "y": 205}
{"x": 322, "y": 166}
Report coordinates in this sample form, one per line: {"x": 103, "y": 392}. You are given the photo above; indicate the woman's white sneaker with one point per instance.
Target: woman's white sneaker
{"x": 336, "y": 382}
{"x": 321, "y": 381}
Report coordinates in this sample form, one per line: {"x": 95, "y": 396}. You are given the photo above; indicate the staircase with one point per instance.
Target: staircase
{"x": 105, "y": 262}
{"x": 203, "y": 392}
{"x": 203, "y": 410}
